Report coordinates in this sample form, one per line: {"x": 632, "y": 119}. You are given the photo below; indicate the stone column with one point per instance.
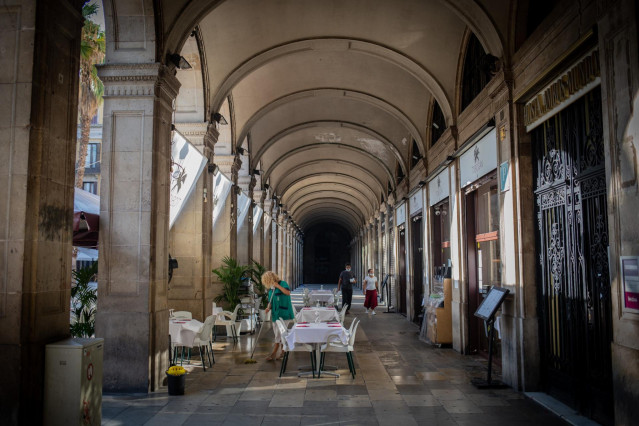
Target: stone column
{"x": 39, "y": 91}
{"x": 225, "y": 232}
{"x": 267, "y": 233}
{"x": 134, "y": 214}
{"x": 618, "y": 40}
{"x": 244, "y": 229}
{"x": 258, "y": 226}
{"x": 190, "y": 238}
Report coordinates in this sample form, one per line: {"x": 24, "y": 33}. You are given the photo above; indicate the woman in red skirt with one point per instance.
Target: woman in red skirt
{"x": 370, "y": 291}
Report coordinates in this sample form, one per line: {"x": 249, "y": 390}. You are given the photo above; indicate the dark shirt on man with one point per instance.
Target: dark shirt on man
{"x": 346, "y": 276}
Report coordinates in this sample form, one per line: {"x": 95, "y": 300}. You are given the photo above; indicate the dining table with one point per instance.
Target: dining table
{"x": 183, "y": 331}
{"x": 316, "y": 334}
{"x": 315, "y": 313}
{"x": 322, "y": 296}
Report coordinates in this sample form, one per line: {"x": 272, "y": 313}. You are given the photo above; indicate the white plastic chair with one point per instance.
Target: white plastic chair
{"x": 229, "y": 322}
{"x": 203, "y": 340}
{"x": 182, "y": 315}
{"x": 300, "y": 347}
{"x": 334, "y": 344}
{"x": 342, "y": 314}
{"x": 295, "y": 311}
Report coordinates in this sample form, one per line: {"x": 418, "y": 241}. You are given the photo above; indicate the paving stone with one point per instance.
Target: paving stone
{"x": 400, "y": 381}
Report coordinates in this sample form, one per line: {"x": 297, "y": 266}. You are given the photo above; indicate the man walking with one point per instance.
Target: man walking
{"x": 345, "y": 283}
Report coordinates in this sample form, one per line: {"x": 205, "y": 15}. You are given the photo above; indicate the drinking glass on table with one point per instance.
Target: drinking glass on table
{"x": 317, "y": 317}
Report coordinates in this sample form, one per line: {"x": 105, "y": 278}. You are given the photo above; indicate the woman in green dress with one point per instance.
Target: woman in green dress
{"x": 280, "y": 306}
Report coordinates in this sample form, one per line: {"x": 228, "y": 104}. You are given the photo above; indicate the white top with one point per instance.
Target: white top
{"x": 370, "y": 282}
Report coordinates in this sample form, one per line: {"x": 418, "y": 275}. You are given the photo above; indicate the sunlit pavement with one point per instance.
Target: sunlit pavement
{"x": 400, "y": 381}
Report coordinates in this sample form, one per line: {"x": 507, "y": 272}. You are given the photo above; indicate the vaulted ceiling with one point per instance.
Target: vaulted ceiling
{"x": 328, "y": 96}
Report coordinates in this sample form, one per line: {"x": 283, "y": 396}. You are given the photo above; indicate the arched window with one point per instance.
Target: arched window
{"x": 437, "y": 124}
{"x": 476, "y": 73}
{"x": 415, "y": 155}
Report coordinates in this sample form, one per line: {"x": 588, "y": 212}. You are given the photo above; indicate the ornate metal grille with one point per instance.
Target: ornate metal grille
{"x": 572, "y": 242}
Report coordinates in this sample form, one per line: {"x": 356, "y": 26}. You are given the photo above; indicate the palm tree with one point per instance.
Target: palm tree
{"x": 92, "y": 50}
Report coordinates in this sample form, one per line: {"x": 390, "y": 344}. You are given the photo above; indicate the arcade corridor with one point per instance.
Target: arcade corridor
{"x": 455, "y": 147}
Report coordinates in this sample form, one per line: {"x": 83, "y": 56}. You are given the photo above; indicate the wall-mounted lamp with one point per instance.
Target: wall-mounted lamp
{"x": 238, "y": 190}
{"x": 256, "y": 172}
{"x": 241, "y": 151}
{"x": 173, "y": 264}
{"x": 281, "y": 205}
{"x": 422, "y": 182}
{"x": 450, "y": 159}
{"x": 219, "y": 119}
{"x": 179, "y": 62}
{"x": 213, "y": 168}
{"x": 266, "y": 186}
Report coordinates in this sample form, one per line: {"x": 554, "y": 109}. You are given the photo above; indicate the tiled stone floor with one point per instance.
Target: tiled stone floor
{"x": 400, "y": 381}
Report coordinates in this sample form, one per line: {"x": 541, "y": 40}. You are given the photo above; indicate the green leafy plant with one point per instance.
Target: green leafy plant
{"x": 83, "y": 301}
{"x": 230, "y": 274}
{"x": 255, "y": 272}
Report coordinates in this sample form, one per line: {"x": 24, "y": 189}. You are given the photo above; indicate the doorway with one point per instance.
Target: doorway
{"x": 418, "y": 267}
{"x": 483, "y": 257}
{"x": 401, "y": 265}
{"x": 575, "y": 324}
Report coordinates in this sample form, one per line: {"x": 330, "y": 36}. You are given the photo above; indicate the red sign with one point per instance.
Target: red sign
{"x": 630, "y": 279}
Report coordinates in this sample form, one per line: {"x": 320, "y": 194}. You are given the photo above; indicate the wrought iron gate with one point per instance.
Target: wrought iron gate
{"x": 572, "y": 243}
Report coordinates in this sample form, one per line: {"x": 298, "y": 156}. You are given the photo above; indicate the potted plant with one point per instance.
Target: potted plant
{"x": 83, "y": 301}
{"x": 230, "y": 274}
{"x": 256, "y": 271}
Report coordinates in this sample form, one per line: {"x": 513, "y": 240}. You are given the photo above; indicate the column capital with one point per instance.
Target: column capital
{"x": 225, "y": 163}
{"x": 244, "y": 182}
{"x": 139, "y": 80}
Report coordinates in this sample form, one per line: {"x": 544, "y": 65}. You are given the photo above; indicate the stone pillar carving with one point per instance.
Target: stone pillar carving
{"x": 190, "y": 238}
{"x": 134, "y": 209}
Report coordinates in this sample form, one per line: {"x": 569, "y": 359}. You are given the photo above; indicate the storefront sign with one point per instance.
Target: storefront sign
{"x": 504, "y": 176}
{"x": 416, "y": 201}
{"x": 401, "y": 214}
{"x": 186, "y": 163}
{"x": 480, "y": 159}
{"x": 630, "y": 282}
{"x": 570, "y": 86}
{"x": 438, "y": 188}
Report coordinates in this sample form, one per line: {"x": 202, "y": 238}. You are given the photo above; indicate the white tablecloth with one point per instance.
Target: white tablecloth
{"x": 321, "y": 296}
{"x": 315, "y": 333}
{"x": 183, "y": 332}
{"x": 325, "y": 314}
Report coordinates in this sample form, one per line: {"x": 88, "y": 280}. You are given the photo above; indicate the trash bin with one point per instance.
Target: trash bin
{"x": 176, "y": 380}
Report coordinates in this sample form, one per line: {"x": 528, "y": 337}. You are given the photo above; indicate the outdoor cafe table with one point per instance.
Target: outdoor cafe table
{"x": 183, "y": 331}
{"x": 325, "y": 314}
{"x": 324, "y": 296}
{"x": 316, "y": 334}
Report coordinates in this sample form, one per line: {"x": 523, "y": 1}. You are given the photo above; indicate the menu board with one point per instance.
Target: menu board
{"x": 630, "y": 282}
{"x": 491, "y": 303}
